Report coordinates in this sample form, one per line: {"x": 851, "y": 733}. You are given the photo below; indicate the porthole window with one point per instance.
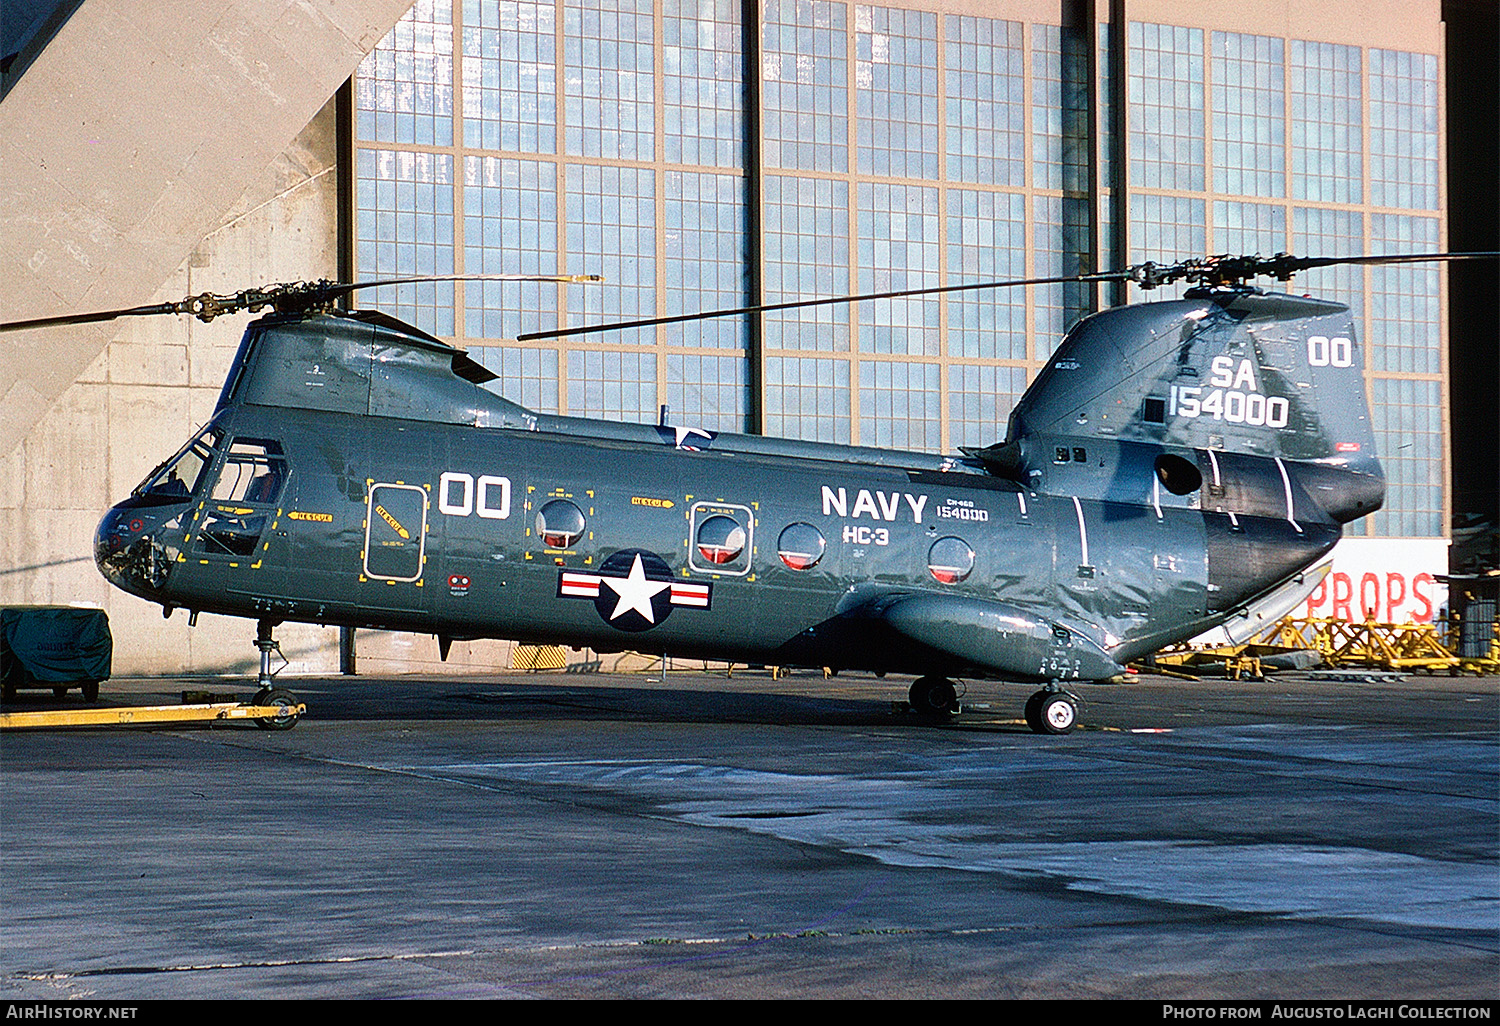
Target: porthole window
{"x": 801, "y": 546}
{"x": 721, "y": 539}
{"x": 950, "y": 560}
{"x": 559, "y": 524}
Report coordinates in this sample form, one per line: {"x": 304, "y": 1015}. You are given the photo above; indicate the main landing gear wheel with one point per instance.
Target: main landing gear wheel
{"x": 278, "y": 697}
{"x": 1052, "y": 712}
{"x": 933, "y": 696}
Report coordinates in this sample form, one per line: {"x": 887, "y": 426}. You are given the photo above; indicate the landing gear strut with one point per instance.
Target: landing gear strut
{"x": 267, "y": 644}
{"x": 268, "y": 694}
{"x": 1052, "y": 711}
{"x": 934, "y": 696}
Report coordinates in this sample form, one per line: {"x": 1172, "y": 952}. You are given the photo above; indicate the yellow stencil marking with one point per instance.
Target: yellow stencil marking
{"x": 395, "y": 524}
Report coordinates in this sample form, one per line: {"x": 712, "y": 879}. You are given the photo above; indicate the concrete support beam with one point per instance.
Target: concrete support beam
{"x": 105, "y": 188}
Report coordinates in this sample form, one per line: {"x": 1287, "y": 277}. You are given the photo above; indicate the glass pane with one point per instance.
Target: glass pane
{"x": 720, "y": 539}
{"x": 950, "y": 560}
{"x": 801, "y": 546}
{"x": 559, "y": 524}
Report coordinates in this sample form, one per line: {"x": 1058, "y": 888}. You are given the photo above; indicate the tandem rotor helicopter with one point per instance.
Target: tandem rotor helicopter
{"x": 1175, "y": 464}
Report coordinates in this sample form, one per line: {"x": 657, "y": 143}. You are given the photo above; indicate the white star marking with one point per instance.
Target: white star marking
{"x": 684, "y": 433}
{"x": 635, "y": 591}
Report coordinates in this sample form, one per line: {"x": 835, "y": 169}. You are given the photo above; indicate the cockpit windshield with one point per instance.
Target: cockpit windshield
{"x": 180, "y": 476}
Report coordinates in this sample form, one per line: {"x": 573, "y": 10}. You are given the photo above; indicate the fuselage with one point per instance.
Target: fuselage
{"x": 440, "y": 529}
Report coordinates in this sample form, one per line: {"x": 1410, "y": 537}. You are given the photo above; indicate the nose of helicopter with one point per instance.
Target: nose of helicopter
{"x": 128, "y": 549}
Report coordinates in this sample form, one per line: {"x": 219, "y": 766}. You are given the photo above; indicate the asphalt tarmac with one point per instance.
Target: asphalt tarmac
{"x": 588, "y": 835}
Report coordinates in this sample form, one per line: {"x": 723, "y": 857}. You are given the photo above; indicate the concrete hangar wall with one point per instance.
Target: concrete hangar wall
{"x": 617, "y": 137}
{"x": 149, "y": 152}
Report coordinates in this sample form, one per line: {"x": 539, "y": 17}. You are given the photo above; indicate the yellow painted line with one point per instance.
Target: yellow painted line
{"x": 130, "y": 715}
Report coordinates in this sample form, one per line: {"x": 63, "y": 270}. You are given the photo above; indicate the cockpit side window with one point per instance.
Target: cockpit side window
{"x": 253, "y": 472}
{"x": 180, "y": 476}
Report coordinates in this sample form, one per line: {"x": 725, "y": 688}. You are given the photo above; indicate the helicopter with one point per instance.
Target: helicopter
{"x": 1174, "y": 464}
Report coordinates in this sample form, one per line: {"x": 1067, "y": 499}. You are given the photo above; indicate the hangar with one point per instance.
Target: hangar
{"x": 705, "y": 154}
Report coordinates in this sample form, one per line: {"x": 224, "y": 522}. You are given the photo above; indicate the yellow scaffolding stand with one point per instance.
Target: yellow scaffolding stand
{"x": 1388, "y": 646}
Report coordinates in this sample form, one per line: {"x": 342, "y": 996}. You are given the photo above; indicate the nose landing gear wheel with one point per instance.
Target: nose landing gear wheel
{"x": 1051, "y": 712}
{"x": 278, "y": 697}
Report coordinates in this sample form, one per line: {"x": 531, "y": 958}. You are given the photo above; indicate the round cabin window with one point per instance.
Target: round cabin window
{"x": 950, "y": 560}
{"x": 801, "y": 546}
{"x": 721, "y": 539}
{"x": 559, "y": 524}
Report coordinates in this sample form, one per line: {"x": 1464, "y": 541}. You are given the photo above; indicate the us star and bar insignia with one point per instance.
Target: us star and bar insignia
{"x": 633, "y": 590}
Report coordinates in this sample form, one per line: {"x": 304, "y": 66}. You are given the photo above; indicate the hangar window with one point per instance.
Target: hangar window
{"x": 559, "y": 524}
{"x": 801, "y": 546}
{"x": 721, "y": 539}
{"x": 253, "y": 472}
{"x": 950, "y": 560}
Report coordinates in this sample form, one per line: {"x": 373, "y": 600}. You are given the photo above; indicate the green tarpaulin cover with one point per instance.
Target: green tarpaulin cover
{"x": 54, "y": 644}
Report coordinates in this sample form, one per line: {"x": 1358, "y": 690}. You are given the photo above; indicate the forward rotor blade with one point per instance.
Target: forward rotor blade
{"x": 829, "y": 301}
{"x": 561, "y": 279}
{"x": 88, "y": 318}
{"x": 291, "y": 296}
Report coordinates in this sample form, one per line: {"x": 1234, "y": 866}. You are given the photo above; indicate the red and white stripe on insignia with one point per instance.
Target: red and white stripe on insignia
{"x": 690, "y": 594}
{"x": 1346, "y": 447}
{"x": 578, "y": 585}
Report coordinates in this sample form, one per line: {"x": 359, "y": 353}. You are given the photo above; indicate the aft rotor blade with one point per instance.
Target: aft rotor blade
{"x": 829, "y": 301}
{"x": 1396, "y": 258}
{"x": 1219, "y": 270}
{"x": 1226, "y": 270}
